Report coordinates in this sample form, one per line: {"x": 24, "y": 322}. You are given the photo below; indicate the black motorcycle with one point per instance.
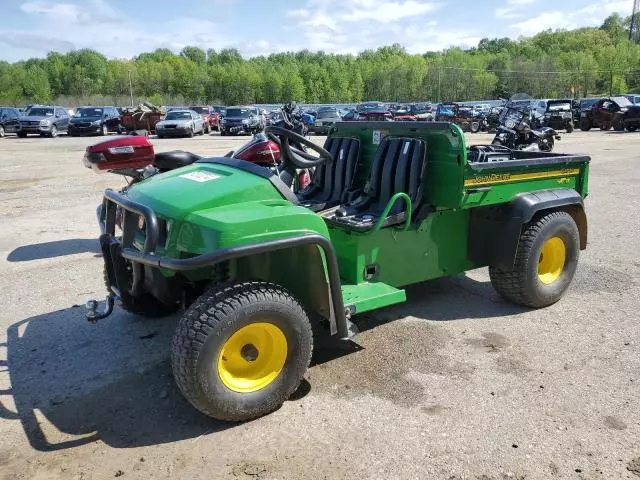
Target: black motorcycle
{"x": 520, "y": 129}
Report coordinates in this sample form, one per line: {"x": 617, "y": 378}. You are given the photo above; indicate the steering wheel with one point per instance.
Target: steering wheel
{"x": 299, "y": 158}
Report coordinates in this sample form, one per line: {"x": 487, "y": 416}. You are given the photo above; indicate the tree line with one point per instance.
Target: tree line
{"x": 580, "y": 62}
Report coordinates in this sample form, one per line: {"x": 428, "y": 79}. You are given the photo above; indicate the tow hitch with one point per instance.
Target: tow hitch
{"x": 92, "y": 309}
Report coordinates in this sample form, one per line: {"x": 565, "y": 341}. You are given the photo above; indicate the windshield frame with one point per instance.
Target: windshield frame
{"x": 81, "y": 109}
{"x": 178, "y": 112}
{"x": 240, "y": 110}
{"x": 49, "y": 112}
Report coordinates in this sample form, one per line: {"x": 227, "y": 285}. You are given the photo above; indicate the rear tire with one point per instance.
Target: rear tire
{"x": 631, "y": 128}
{"x": 545, "y": 263}
{"x": 585, "y": 125}
{"x": 241, "y": 350}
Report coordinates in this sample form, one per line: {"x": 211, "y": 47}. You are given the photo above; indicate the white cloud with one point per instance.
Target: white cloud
{"x": 381, "y": 11}
{"x": 592, "y": 14}
{"x": 512, "y": 9}
{"x": 92, "y": 11}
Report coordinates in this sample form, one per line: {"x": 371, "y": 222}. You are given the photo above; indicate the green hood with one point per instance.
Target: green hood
{"x": 201, "y": 186}
{"x": 211, "y": 206}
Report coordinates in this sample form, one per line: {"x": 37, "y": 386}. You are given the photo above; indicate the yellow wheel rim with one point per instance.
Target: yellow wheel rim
{"x": 253, "y": 357}
{"x": 552, "y": 259}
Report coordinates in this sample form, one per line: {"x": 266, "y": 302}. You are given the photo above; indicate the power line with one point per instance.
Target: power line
{"x": 533, "y": 72}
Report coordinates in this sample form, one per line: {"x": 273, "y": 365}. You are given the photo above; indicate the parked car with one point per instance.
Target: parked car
{"x": 242, "y": 119}
{"x": 634, "y": 98}
{"x": 210, "y": 116}
{"x": 423, "y": 112}
{"x": 44, "y": 120}
{"x": 101, "y": 120}
{"x": 325, "y": 119}
{"x": 220, "y": 110}
{"x": 180, "y": 123}
{"x": 605, "y": 113}
{"x": 373, "y": 111}
{"x": 631, "y": 118}
{"x": 402, "y": 113}
{"x": 9, "y": 120}
{"x": 464, "y": 117}
{"x": 559, "y": 115}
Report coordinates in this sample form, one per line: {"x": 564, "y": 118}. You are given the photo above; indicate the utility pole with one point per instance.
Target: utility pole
{"x": 130, "y": 88}
{"x": 634, "y": 28}
{"x": 440, "y": 84}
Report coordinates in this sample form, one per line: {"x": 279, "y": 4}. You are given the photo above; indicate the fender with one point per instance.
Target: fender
{"x": 494, "y": 232}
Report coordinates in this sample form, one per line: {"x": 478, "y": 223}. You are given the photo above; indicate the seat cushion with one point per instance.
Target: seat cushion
{"x": 398, "y": 166}
{"x": 175, "y": 159}
{"x": 331, "y": 180}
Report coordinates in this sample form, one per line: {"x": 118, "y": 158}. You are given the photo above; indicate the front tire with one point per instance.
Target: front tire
{"x": 104, "y": 131}
{"x": 54, "y": 131}
{"x": 631, "y": 128}
{"x": 570, "y": 127}
{"x": 1, "y": 131}
{"x": 475, "y": 127}
{"x": 241, "y": 350}
{"x": 545, "y": 263}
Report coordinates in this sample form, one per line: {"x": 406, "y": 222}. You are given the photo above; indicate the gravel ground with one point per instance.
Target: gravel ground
{"x": 453, "y": 384}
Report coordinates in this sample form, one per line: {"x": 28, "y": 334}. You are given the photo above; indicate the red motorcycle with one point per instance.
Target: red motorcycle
{"x": 134, "y": 156}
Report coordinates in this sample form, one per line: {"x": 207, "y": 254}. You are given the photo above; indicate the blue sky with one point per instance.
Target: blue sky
{"x": 124, "y": 28}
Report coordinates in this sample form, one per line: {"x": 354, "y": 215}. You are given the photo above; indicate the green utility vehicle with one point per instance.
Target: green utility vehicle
{"x": 390, "y": 204}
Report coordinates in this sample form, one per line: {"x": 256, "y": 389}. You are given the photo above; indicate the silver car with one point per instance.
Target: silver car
{"x": 180, "y": 123}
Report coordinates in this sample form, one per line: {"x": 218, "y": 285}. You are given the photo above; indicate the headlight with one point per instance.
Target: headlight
{"x": 223, "y": 121}
{"x": 45, "y": 123}
{"x": 96, "y": 123}
{"x": 245, "y": 121}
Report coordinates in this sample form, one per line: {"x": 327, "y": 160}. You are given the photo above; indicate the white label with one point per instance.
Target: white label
{"x": 119, "y": 150}
{"x": 200, "y": 177}
{"x": 376, "y": 137}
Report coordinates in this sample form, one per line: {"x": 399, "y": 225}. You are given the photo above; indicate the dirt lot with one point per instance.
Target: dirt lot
{"x": 454, "y": 384}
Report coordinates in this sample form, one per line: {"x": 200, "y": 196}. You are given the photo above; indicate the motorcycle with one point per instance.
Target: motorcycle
{"x": 520, "y": 129}
{"x": 133, "y": 156}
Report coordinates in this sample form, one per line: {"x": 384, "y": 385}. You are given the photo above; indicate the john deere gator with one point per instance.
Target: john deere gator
{"x": 255, "y": 266}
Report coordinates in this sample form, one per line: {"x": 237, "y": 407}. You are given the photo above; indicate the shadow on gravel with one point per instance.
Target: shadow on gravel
{"x": 59, "y": 248}
{"x": 111, "y": 381}
{"x": 444, "y": 300}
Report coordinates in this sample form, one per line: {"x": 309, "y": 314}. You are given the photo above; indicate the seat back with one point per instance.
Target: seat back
{"x": 332, "y": 179}
{"x": 398, "y": 166}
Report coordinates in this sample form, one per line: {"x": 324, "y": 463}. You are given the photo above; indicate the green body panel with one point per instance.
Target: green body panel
{"x": 505, "y": 182}
{"x": 233, "y": 207}
{"x": 435, "y": 248}
{"x": 367, "y": 296}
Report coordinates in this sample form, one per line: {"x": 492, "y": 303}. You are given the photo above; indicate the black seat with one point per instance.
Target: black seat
{"x": 398, "y": 166}
{"x": 330, "y": 181}
{"x": 171, "y": 160}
